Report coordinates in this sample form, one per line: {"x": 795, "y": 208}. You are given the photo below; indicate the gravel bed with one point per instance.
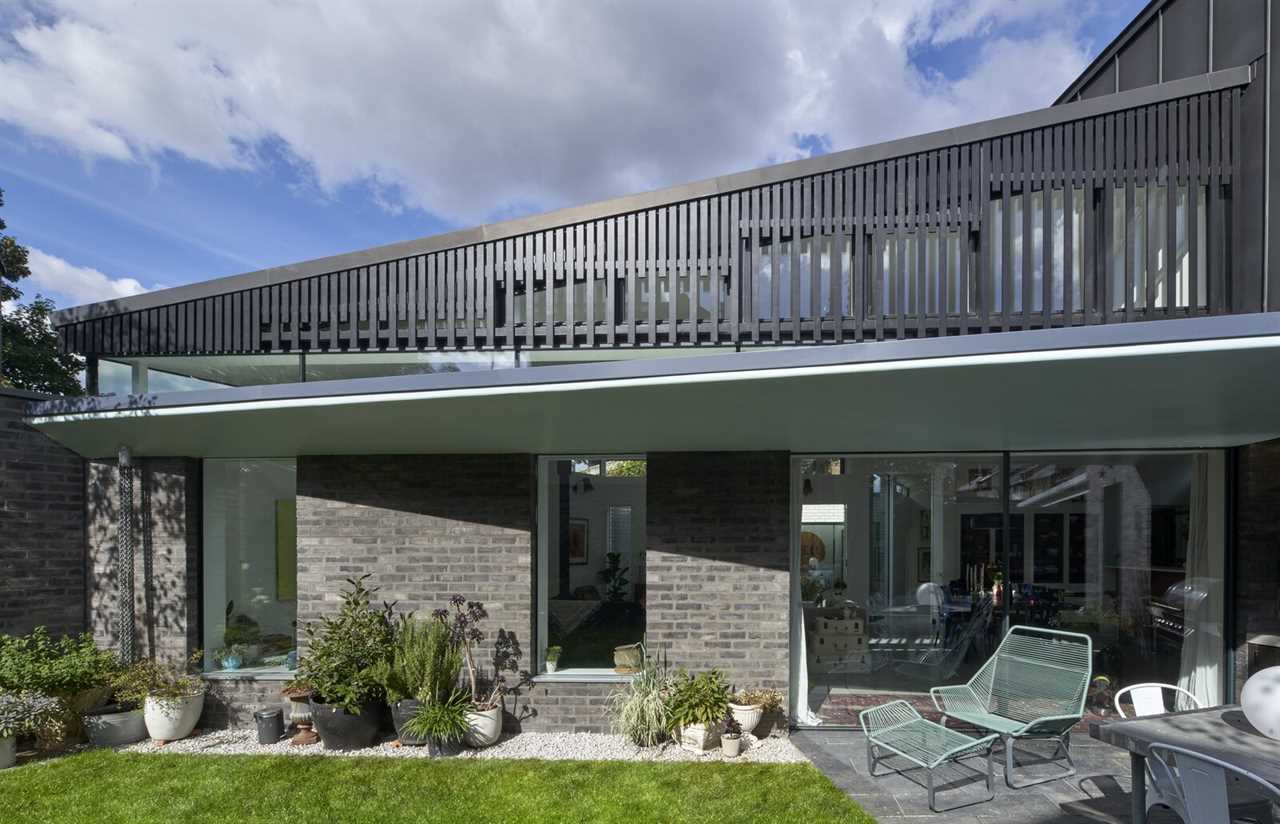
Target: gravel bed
{"x": 544, "y": 746}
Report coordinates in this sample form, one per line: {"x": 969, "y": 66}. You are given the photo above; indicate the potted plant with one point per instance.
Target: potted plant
{"x": 122, "y": 721}
{"x": 423, "y": 668}
{"x": 552, "y": 658}
{"x": 443, "y": 723}
{"x": 71, "y": 668}
{"x": 485, "y": 716}
{"x": 172, "y": 697}
{"x": 731, "y": 737}
{"x": 23, "y": 714}
{"x": 696, "y": 707}
{"x": 771, "y": 710}
{"x": 639, "y": 709}
{"x": 343, "y": 656}
{"x": 747, "y": 708}
{"x": 231, "y": 657}
{"x": 628, "y": 658}
{"x": 299, "y": 692}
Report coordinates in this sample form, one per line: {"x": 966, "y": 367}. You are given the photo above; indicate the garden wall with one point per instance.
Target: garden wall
{"x": 42, "y": 526}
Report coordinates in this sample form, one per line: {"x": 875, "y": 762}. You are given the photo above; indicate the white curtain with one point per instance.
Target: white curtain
{"x": 803, "y": 715}
{"x": 1201, "y": 671}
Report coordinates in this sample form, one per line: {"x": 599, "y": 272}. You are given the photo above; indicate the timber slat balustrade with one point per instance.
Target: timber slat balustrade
{"x": 1112, "y": 218}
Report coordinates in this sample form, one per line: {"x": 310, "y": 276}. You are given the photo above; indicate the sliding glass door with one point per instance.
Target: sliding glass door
{"x": 907, "y": 569}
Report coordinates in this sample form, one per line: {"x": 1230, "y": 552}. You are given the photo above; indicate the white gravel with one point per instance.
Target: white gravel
{"x": 544, "y": 746}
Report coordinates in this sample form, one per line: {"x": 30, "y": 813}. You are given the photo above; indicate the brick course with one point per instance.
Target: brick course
{"x": 42, "y": 522}
{"x": 718, "y": 564}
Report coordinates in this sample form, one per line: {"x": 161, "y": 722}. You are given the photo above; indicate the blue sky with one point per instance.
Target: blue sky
{"x": 156, "y": 148}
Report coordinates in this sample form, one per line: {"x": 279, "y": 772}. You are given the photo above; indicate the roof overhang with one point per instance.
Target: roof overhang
{"x": 1205, "y": 382}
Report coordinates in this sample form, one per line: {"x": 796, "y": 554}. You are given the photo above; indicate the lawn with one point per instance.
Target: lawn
{"x": 102, "y": 786}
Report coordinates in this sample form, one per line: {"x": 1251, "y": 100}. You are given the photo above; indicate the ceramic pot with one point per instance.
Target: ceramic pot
{"x": 114, "y": 726}
{"x": 485, "y": 727}
{"x": 628, "y": 659}
{"x": 342, "y": 730}
{"x": 8, "y": 752}
{"x": 748, "y": 715}
{"x": 551, "y": 666}
{"x": 77, "y": 707}
{"x": 443, "y": 749}
{"x": 401, "y": 713}
{"x": 169, "y": 719}
{"x": 731, "y": 745}
{"x": 698, "y": 737}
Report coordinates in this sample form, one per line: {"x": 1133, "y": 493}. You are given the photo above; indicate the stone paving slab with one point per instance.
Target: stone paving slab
{"x": 1099, "y": 792}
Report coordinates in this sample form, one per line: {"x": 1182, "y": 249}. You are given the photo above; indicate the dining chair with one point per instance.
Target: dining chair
{"x": 1148, "y": 699}
{"x": 1201, "y": 789}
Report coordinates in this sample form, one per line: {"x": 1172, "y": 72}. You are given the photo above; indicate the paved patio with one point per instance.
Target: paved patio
{"x": 1099, "y": 792}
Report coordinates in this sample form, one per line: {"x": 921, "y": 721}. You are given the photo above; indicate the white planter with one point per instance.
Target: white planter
{"x": 113, "y": 729}
{"x": 8, "y": 752}
{"x": 748, "y": 715}
{"x": 551, "y": 666}
{"x": 698, "y": 738}
{"x": 485, "y": 727}
{"x": 169, "y": 719}
{"x": 731, "y": 746}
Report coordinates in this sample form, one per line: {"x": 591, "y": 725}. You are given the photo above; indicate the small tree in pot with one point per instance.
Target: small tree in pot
{"x": 345, "y": 653}
{"x": 172, "y": 697}
{"x": 485, "y": 718}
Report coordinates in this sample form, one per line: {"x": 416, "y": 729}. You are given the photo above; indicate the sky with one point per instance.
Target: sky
{"x": 161, "y": 142}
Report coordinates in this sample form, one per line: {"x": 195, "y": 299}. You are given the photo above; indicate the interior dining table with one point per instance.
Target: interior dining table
{"x": 1221, "y": 732}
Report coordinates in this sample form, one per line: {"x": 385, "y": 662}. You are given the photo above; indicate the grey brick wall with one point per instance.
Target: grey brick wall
{"x": 231, "y": 702}
{"x": 42, "y": 522}
{"x": 167, "y": 555}
{"x": 718, "y": 562}
{"x": 1257, "y": 577}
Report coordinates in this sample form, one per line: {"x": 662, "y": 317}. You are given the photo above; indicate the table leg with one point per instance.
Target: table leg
{"x": 1138, "y": 770}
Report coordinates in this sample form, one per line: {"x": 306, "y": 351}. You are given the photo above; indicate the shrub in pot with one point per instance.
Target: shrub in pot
{"x": 231, "y": 657}
{"x": 731, "y": 736}
{"x": 344, "y": 655}
{"x": 639, "y": 709}
{"x": 423, "y": 668}
{"x": 171, "y": 697}
{"x": 696, "y": 707}
{"x": 485, "y": 716}
{"x": 24, "y": 714}
{"x": 71, "y": 669}
{"x": 749, "y": 706}
{"x": 552, "y": 658}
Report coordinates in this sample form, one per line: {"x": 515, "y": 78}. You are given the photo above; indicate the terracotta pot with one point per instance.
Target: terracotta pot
{"x": 485, "y": 727}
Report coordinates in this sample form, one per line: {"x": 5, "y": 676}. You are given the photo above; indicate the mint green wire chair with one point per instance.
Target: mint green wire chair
{"x": 1034, "y": 686}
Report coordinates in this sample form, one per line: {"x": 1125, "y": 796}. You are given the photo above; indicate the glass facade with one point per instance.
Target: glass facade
{"x": 591, "y": 570}
{"x": 907, "y": 580}
{"x": 250, "y": 565}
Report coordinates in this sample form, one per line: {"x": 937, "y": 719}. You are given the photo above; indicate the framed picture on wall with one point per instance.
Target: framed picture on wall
{"x": 578, "y": 540}
{"x": 924, "y": 565}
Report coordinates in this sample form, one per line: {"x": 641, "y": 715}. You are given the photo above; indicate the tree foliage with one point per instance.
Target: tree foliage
{"x": 29, "y": 356}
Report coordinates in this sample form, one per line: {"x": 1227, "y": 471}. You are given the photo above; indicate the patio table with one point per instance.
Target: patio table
{"x": 1221, "y": 732}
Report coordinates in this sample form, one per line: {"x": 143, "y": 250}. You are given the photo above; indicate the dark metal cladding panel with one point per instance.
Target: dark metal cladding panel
{"x": 1103, "y": 83}
{"x": 1239, "y": 32}
{"x": 1186, "y": 39}
{"x": 1140, "y": 58}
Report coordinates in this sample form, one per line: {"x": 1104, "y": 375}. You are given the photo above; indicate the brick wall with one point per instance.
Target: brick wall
{"x": 42, "y": 572}
{"x": 1257, "y": 577}
{"x": 718, "y": 563}
{"x": 166, "y": 499}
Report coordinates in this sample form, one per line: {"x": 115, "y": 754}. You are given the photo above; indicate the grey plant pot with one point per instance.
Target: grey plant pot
{"x": 114, "y": 726}
{"x": 8, "y": 752}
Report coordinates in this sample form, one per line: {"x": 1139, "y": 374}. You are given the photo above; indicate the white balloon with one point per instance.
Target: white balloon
{"x": 1260, "y": 700}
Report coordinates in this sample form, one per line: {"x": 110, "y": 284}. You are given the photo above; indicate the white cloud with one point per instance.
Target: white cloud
{"x": 471, "y": 109}
{"x": 71, "y": 285}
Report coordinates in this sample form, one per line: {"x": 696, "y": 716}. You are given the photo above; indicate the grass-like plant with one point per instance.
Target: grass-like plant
{"x": 700, "y": 699}
{"x": 639, "y": 710}
{"x": 442, "y": 721}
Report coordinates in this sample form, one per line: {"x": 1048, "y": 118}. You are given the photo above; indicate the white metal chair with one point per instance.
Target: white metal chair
{"x": 1203, "y": 790}
{"x": 1148, "y": 699}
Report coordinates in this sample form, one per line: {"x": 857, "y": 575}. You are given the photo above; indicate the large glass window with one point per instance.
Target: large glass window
{"x": 250, "y": 565}
{"x": 906, "y": 578}
{"x": 591, "y": 572}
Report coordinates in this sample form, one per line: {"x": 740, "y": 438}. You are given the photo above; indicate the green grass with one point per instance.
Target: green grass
{"x": 101, "y": 786}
